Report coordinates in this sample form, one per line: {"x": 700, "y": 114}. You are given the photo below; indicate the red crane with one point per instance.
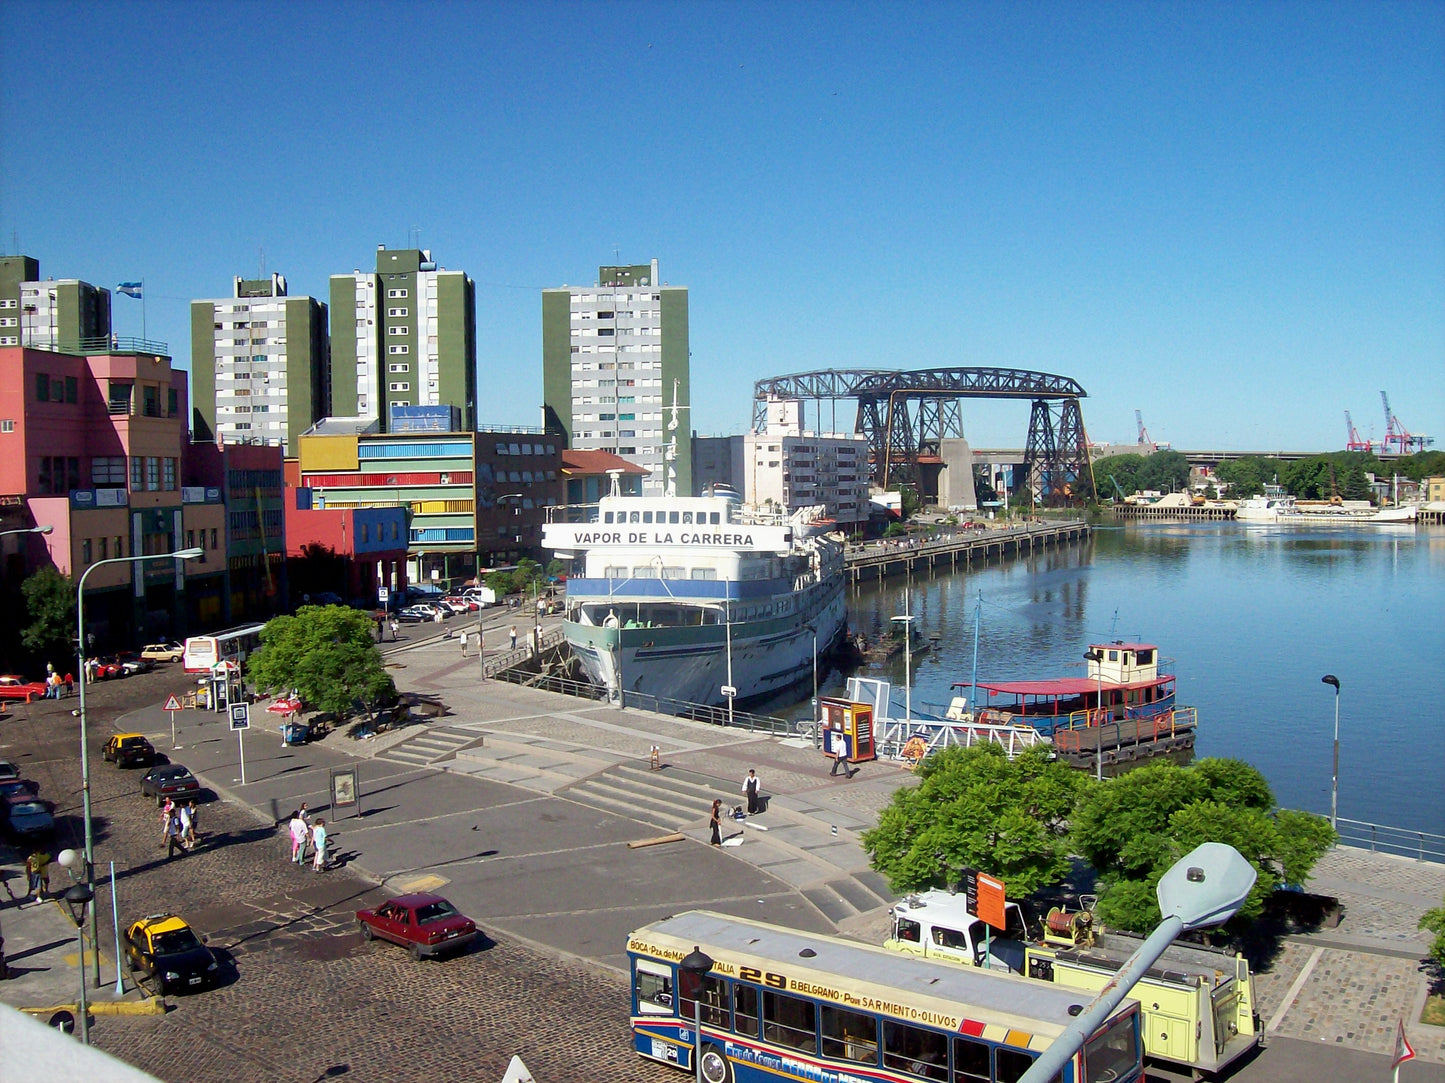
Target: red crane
{"x": 1352, "y": 439}
{"x": 1397, "y": 437}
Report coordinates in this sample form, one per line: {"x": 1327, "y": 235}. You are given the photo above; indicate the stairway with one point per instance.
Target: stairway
{"x": 432, "y": 745}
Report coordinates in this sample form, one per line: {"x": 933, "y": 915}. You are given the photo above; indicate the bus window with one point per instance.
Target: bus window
{"x": 970, "y": 1061}
{"x": 745, "y": 1009}
{"x": 915, "y": 1051}
{"x": 949, "y": 938}
{"x": 1112, "y": 1054}
{"x": 848, "y": 1035}
{"x": 789, "y": 1021}
{"x": 653, "y": 985}
{"x": 906, "y": 930}
{"x": 1011, "y": 1064}
{"x": 714, "y": 999}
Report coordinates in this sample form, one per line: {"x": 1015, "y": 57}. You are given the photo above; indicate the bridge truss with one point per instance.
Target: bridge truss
{"x": 907, "y": 414}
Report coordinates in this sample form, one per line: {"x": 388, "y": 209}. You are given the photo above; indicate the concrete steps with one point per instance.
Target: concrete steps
{"x": 535, "y": 763}
{"x": 433, "y": 745}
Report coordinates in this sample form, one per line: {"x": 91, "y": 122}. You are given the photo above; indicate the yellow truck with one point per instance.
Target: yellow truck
{"x": 1196, "y": 1002}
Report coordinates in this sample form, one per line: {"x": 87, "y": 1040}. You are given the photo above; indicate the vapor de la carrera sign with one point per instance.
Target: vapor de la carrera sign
{"x": 727, "y": 536}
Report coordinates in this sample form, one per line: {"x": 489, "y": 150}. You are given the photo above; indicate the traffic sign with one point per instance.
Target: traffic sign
{"x": 172, "y": 703}
{"x": 729, "y": 690}
{"x": 240, "y": 716}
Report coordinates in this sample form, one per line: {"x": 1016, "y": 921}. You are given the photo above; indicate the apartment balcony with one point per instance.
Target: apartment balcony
{"x": 112, "y": 344}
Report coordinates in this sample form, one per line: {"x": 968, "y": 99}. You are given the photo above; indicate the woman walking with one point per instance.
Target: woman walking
{"x": 715, "y": 821}
{"x": 318, "y": 840}
{"x": 299, "y": 831}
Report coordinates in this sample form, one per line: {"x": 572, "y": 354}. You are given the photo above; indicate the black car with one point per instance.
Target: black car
{"x": 28, "y": 818}
{"x": 19, "y": 787}
{"x": 168, "y": 950}
{"x": 129, "y": 750}
{"x": 169, "y": 780}
{"x": 8, "y": 771}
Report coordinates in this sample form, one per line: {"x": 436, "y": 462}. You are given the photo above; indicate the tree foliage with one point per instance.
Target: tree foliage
{"x": 327, "y": 654}
{"x": 1164, "y": 471}
{"x": 1433, "y": 921}
{"x": 50, "y": 604}
{"x": 521, "y": 579}
{"x": 973, "y": 808}
{"x": 1133, "y": 828}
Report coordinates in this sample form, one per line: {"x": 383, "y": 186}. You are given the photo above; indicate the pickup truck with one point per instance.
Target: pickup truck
{"x": 1196, "y": 1003}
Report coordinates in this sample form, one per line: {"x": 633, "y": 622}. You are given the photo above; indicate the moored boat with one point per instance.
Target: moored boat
{"x": 684, "y": 597}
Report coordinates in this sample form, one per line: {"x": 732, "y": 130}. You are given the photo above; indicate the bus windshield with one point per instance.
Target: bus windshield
{"x": 1112, "y": 1053}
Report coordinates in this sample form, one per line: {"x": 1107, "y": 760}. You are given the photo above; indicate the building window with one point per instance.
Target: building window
{"x": 399, "y": 387}
{"x": 119, "y": 546}
{"x": 153, "y": 473}
{"x": 168, "y": 476}
{"x": 213, "y": 537}
{"x": 365, "y": 533}
{"x": 8, "y": 425}
{"x": 398, "y": 312}
{"x": 104, "y": 546}
{"x": 173, "y": 402}
{"x": 42, "y": 387}
{"x": 399, "y": 348}
{"x": 85, "y": 551}
{"x": 120, "y": 398}
{"x": 395, "y": 330}
{"x": 399, "y": 368}
{"x": 190, "y": 539}
{"x": 72, "y": 390}
{"x": 396, "y": 293}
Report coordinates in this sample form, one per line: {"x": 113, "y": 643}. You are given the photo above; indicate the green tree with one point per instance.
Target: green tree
{"x": 974, "y": 808}
{"x": 1133, "y": 828}
{"x": 1166, "y": 471}
{"x": 1245, "y": 477}
{"x": 1433, "y": 921}
{"x": 50, "y": 604}
{"x": 910, "y": 500}
{"x": 327, "y": 654}
{"x": 1127, "y": 470}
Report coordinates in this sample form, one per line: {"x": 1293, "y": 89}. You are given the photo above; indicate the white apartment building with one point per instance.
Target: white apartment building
{"x": 792, "y": 468}
{"x": 258, "y": 363}
{"x": 615, "y": 360}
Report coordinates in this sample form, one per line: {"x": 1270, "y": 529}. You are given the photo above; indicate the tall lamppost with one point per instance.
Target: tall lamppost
{"x": 76, "y": 900}
{"x": 817, "y": 736}
{"x": 181, "y": 554}
{"x": 1331, "y": 679}
{"x": 907, "y": 621}
{"x": 696, "y": 963}
{"x": 1097, "y": 657}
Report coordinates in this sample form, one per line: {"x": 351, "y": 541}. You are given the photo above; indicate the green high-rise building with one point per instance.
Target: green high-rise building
{"x": 403, "y": 335}
{"x": 614, "y": 362}
{"x": 64, "y": 314}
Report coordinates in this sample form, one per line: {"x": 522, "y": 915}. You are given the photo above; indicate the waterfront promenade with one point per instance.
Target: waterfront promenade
{"x": 520, "y": 804}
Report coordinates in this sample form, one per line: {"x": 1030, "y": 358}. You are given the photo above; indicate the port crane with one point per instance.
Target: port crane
{"x": 1352, "y": 439}
{"x": 1397, "y": 437}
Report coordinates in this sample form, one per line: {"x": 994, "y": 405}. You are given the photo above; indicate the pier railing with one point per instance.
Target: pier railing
{"x": 1383, "y": 839}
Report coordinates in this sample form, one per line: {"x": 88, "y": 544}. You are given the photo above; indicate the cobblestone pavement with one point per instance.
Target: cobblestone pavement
{"x": 302, "y": 991}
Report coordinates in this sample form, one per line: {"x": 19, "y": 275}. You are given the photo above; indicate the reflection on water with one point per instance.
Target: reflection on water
{"x": 1252, "y": 617}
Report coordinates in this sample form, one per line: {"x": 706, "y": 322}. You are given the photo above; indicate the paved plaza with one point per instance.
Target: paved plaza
{"x": 519, "y": 805}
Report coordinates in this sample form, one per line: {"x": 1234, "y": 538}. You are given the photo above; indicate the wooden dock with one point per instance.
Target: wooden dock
{"x": 962, "y": 547}
{"x": 1127, "y": 740}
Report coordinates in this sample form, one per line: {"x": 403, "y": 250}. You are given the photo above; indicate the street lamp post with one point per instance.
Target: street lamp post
{"x": 698, "y": 964}
{"x": 76, "y": 899}
{"x": 181, "y": 554}
{"x": 907, "y": 621}
{"x": 1097, "y": 657}
{"x": 27, "y": 530}
{"x": 1331, "y": 679}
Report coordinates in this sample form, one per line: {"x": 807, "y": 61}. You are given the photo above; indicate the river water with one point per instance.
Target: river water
{"x": 1252, "y": 617}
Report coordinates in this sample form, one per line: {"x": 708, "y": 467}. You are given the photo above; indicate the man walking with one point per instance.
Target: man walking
{"x": 173, "y": 836}
{"x": 37, "y": 875}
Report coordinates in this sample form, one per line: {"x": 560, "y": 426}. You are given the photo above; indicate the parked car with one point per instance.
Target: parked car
{"x": 425, "y": 923}
{"x": 416, "y": 614}
{"x": 18, "y": 787}
{"x": 108, "y": 668}
{"x": 28, "y": 818}
{"x": 461, "y": 604}
{"x": 169, "y": 780}
{"x": 168, "y": 950}
{"x": 13, "y": 687}
{"x": 163, "y": 652}
{"x": 132, "y": 663}
{"x": 8, "y": 771}
{"x": 129, "y": 750}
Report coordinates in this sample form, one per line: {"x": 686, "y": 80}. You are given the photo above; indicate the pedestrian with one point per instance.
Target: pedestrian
{"x": 654, "y": 758}
{"x": 466, "y": 635}
{"x": 167, "y": 807}
{"x": 714, "y": 821}
{"x": 512, "y": 631}
{"x": 318, "y": 840}
{"x": 183, "y": 819}
{"x": 750, "y": 787}
{"x": 395, "y": 627}
{"x": 380, "y": 628}
{"x": 193, "y": 833}
{"x": 37, "y": 875}
{"x": 299, "y": 831}
{"x": 173, "y": 837}
{"x": 69, "y": 683}
{"x": 840, "y": 754}
{"x": 90, "y": 671}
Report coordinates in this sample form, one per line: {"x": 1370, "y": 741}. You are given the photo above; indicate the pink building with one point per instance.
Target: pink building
{"x": 93, "y": 446}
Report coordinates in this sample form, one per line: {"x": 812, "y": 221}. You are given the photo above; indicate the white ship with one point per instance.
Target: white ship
{"x": 1277, "y": 506}
{"x": 681, "y": 597}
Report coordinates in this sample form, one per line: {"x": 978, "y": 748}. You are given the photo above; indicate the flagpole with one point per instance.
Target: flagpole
{"x": 143, "y": 308}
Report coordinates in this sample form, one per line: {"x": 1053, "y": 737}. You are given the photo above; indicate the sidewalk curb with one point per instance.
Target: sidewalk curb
{"x": 148, "y": 1006}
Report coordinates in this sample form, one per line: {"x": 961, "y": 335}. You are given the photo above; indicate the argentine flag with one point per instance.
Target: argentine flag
{"x": 130, "y": 289}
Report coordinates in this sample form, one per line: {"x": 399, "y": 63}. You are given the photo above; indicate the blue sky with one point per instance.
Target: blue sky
{"x": 1228, "y": 216}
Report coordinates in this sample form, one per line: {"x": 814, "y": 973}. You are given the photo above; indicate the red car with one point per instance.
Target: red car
{"x": 13, "y": 687}
{"x": 427, "y": 924}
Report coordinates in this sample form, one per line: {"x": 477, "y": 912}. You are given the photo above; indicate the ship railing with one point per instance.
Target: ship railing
{"x": 1383, "y": 839}
{"x": 717, "y": 716}
{"x": 911, "y": 740}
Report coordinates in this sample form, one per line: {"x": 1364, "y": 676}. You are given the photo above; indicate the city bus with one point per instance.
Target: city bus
{"x": 204, "y": 652}
{"x": 779, "y": 1003}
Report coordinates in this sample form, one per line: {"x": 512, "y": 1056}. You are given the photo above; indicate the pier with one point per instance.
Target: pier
{"x": 962, "y": 547}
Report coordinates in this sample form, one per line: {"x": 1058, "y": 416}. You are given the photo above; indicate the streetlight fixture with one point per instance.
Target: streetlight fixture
{"x": 698, "y": 964}
{"x": 1204, "y": 887}
{"x": 28, "y": 530}
{"x": 1331, "y": 679}
{"x": 77, "y": 898}
{"x": 180, "y": 554}
{"x": 1097, "y": 657}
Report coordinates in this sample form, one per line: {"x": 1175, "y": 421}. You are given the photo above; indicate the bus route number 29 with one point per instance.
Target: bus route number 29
{"x": 773, "y": 981}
